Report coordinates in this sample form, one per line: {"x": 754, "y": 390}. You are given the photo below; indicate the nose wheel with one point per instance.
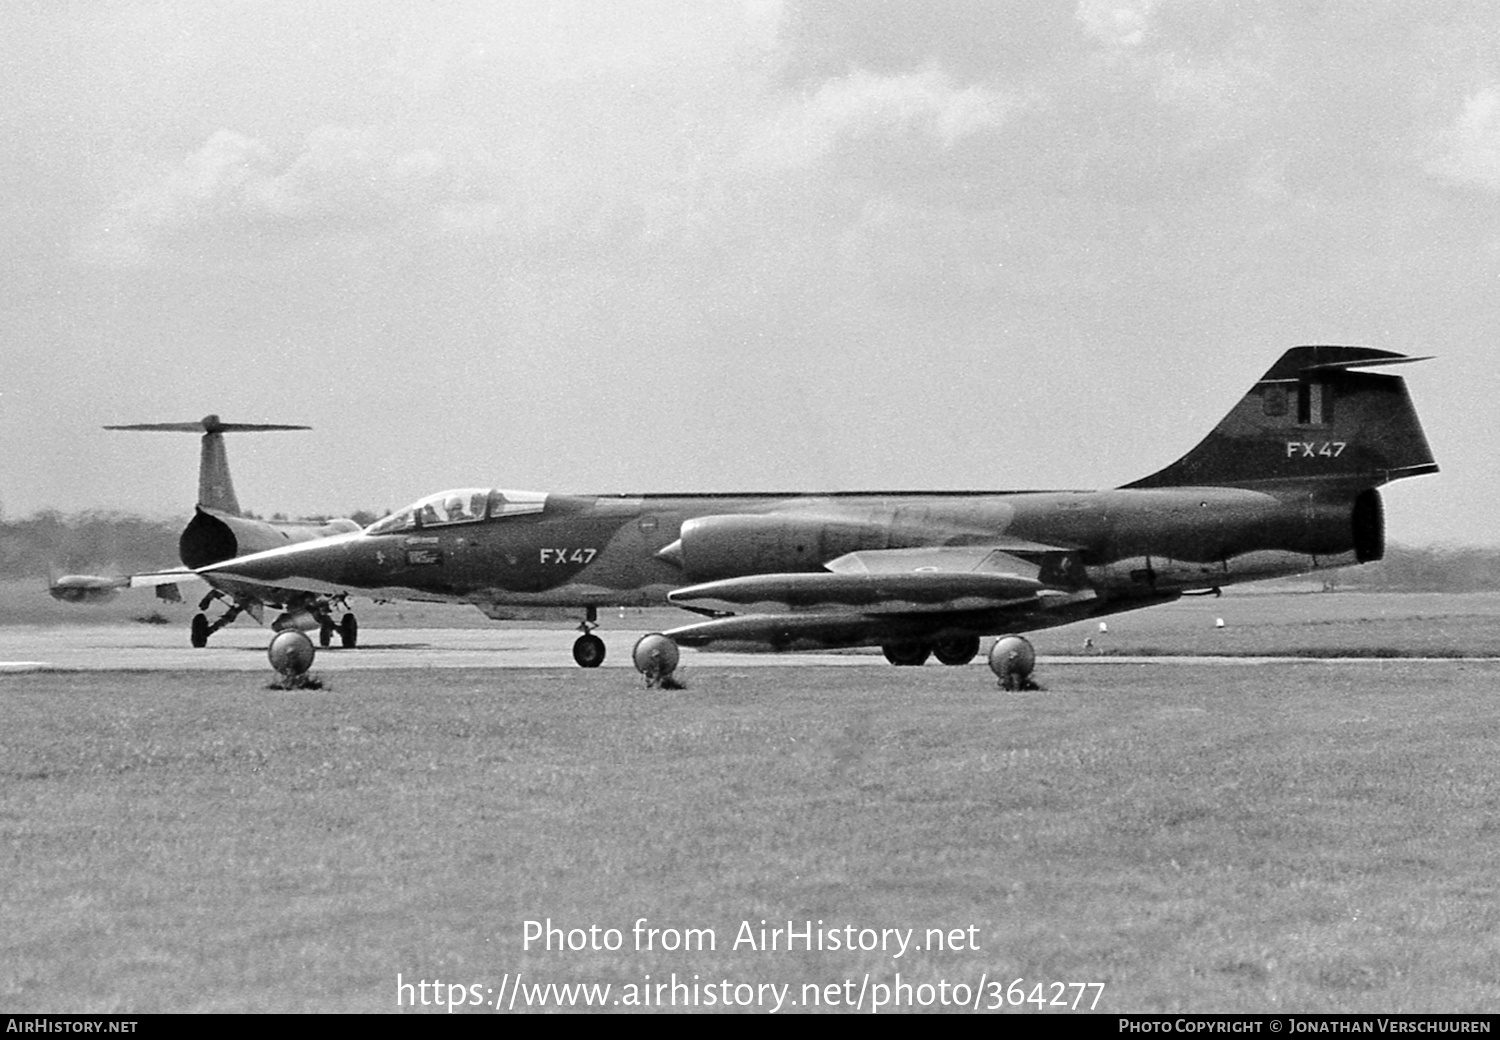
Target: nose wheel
{"x": 588, "y": 651}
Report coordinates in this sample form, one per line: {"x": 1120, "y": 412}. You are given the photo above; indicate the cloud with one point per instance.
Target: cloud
{"x": 1119, "y": 24}
{"x": 535, "y": 187}
{"x": 1472, "y": 143}
{"x": 501, "y": 122}
{"x": 341, "y": 179}
{"x": 871, "y": 113}
{"x": 216, "y": 182}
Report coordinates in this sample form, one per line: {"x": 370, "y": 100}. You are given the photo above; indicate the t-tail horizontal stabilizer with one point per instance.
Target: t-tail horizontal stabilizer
{"x": 1312, "y": 417}
{"x": 215, "y": 489}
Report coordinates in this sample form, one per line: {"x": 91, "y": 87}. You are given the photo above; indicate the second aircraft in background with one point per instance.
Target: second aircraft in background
{"x": 218, "y": 531}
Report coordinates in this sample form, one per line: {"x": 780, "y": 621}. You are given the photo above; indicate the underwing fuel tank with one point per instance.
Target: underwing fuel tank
{"x": 884, "y": 593}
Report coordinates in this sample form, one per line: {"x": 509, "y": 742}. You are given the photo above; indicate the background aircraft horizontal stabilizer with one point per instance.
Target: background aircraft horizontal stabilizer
{"x": 208, "y": 424}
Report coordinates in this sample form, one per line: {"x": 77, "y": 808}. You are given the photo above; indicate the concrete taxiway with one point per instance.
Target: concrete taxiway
{"x": 164, "y": 648}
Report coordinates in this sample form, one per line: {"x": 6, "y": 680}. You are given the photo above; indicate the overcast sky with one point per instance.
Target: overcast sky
{"x": 658, "y": 246}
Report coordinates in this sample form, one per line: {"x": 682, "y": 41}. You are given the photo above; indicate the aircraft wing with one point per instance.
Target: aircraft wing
{"x": 877, "y": 596}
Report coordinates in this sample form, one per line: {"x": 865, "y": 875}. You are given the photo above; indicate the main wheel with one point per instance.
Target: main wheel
{"x": 907, "y": 655}
{"x": 588, "y": 651}
{"x": 199, "y": 632}
{"x": 325, "y": 633}
{"x": 958, "y": 650}
{"x": 349, "y": 632}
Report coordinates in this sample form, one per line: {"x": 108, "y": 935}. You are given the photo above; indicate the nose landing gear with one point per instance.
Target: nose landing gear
{"x": 588, "y": 649}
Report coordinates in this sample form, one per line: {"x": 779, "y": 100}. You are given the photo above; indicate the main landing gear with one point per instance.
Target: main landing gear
{"x": 957, "y": 650}
{"x": 1011, "y": 658}
{"x": 588, "y": 649}
{"x": 320, "y": 611}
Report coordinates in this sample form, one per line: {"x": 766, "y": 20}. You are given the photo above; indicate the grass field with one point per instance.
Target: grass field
{"x": 1258, "y": 623}
{"x": 1302, "y": 836}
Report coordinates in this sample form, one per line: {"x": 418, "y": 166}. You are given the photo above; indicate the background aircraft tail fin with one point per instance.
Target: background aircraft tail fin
{"x": 215, "y": 488}
{"x": 1312, "y": 417}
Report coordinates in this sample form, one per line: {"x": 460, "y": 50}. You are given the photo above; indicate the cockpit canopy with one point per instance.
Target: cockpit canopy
{"x": 459, "y": 506}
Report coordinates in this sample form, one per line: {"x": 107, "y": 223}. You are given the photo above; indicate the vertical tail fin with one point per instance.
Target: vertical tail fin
{"x": 215, "y": 488}
{"x": 1312, "y": 417}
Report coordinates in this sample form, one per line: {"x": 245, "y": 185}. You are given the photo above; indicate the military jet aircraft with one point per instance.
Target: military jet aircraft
{"x": 1285, "y": 484}
{"x": 219, "y": 531}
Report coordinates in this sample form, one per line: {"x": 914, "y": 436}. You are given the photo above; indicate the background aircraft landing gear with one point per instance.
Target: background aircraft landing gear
{"x": 347, "y": 627}
{"x": 202, "y": 628}
{"x": 907, "y": 655}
